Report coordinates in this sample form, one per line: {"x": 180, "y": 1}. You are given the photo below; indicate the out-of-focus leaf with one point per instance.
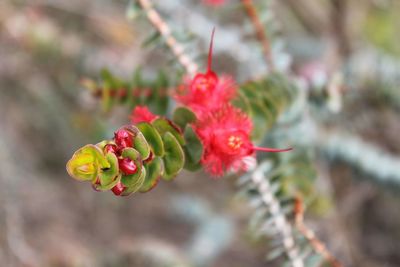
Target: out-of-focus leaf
{"x": 183, "y": 116}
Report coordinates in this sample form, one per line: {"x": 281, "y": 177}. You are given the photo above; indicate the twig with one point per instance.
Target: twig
{"x": 280, "y": 221}
{"x": 260, "y": 32}
{"x": 318, "y": 246}
{"x": 163, "y": 28}
{"x": 339, "y": 30}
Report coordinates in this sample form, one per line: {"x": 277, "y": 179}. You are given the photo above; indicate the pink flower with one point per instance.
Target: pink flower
{"x": 142, "y": 114}
{"x": 225, "y": 135}
{"x": 214, "y": 2}
{"x": 206, "y": 91}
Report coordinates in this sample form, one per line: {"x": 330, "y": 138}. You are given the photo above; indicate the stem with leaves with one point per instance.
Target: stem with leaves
{"x": 162, "y": 27}
{"x": 279, "y": 219}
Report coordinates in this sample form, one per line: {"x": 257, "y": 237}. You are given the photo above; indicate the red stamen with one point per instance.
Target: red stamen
{"x": 210, "y": 52}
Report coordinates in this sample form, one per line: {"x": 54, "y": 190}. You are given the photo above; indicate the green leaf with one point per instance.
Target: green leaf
{"x": 174, "y": 158}
{"x": 109, "y": 175}
{"x": 193, "y": 149}
{"x": 154, "y": 171}
{"x": 132, "y": 154}
{"x": 153, "y": 138}
{"x": 100, "y": 187}
{"x": 85, "y": 163}
{"x": 163, "y": 126}
{"x": 133, "y": 181}
{"x": 135, "y": 184}
{"x": 183, "y": 116}
{"x": 141, "y": 145}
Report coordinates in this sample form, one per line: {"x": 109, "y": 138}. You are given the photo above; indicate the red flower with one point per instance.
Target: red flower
{"x": 206, "y": 91}
{"x": 225, "y": 135}
{"x": 142, "y": 114}
{"x": 214, "y": 2}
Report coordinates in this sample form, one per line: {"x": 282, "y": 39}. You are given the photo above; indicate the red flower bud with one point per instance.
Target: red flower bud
{"x": 123, "y": 138}
{"x": 127, "y": 166}
{"x": 118, "y": 189}
{"x": 111, "y": 148}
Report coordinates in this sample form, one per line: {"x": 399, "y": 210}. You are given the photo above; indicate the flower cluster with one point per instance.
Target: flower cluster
{"x": 123, "y": 138}
{"x": 223, "y": 129}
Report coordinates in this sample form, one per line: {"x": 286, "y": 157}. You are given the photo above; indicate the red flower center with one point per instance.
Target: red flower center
{"x": 232, "y": 143}
{"x": 204, "y": 83}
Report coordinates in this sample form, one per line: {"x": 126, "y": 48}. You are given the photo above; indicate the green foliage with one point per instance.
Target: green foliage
{"x": 113, "y": 90}
{"x": 265, "y": 100}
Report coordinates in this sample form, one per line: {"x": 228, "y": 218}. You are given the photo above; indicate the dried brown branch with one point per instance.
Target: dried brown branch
{"x": 317, "y": 244}
{"x": 260, "y": 32}
{"x": 163, "y": 28}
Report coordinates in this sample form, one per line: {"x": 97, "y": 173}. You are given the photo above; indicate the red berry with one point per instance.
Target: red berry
{"x": 123, "y": 138}
{"x": 127, "y": 166}
{"x": 118, "y": 189}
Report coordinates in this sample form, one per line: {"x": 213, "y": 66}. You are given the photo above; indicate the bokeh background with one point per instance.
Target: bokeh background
{"x": 48, "y": 219}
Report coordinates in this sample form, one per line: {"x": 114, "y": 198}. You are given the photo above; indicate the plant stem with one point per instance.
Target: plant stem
{"x": 309, "y": 234}
{"x": 260, "y": 32}
{"x": 280, "y": 221}
{"x": 163, "y": 28}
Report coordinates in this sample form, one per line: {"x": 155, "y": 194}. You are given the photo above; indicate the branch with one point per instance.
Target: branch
{"x": 318, "y": 246}
{"x": 279, "y": 220}
{"x": 259, "y": 28}
{"x": 163, "y": 28}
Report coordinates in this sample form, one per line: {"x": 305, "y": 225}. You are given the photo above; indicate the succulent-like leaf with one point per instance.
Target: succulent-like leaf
{"x": 141, "y": 145}
{"x": 153, "y": 138}
{"x": 174, "y": 158}
{"x": 193, "y": 149}
{"x": 85, "y": 163}
{"x": 163, "y": 126}
{"x": 108, "y": 176}
{"x": 154, "y": 171}
{"x": 137, "y": 183}
{"x": 183, "y": 116}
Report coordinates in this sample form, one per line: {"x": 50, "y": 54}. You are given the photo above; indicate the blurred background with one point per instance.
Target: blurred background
{"x": 48, "y": 46}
